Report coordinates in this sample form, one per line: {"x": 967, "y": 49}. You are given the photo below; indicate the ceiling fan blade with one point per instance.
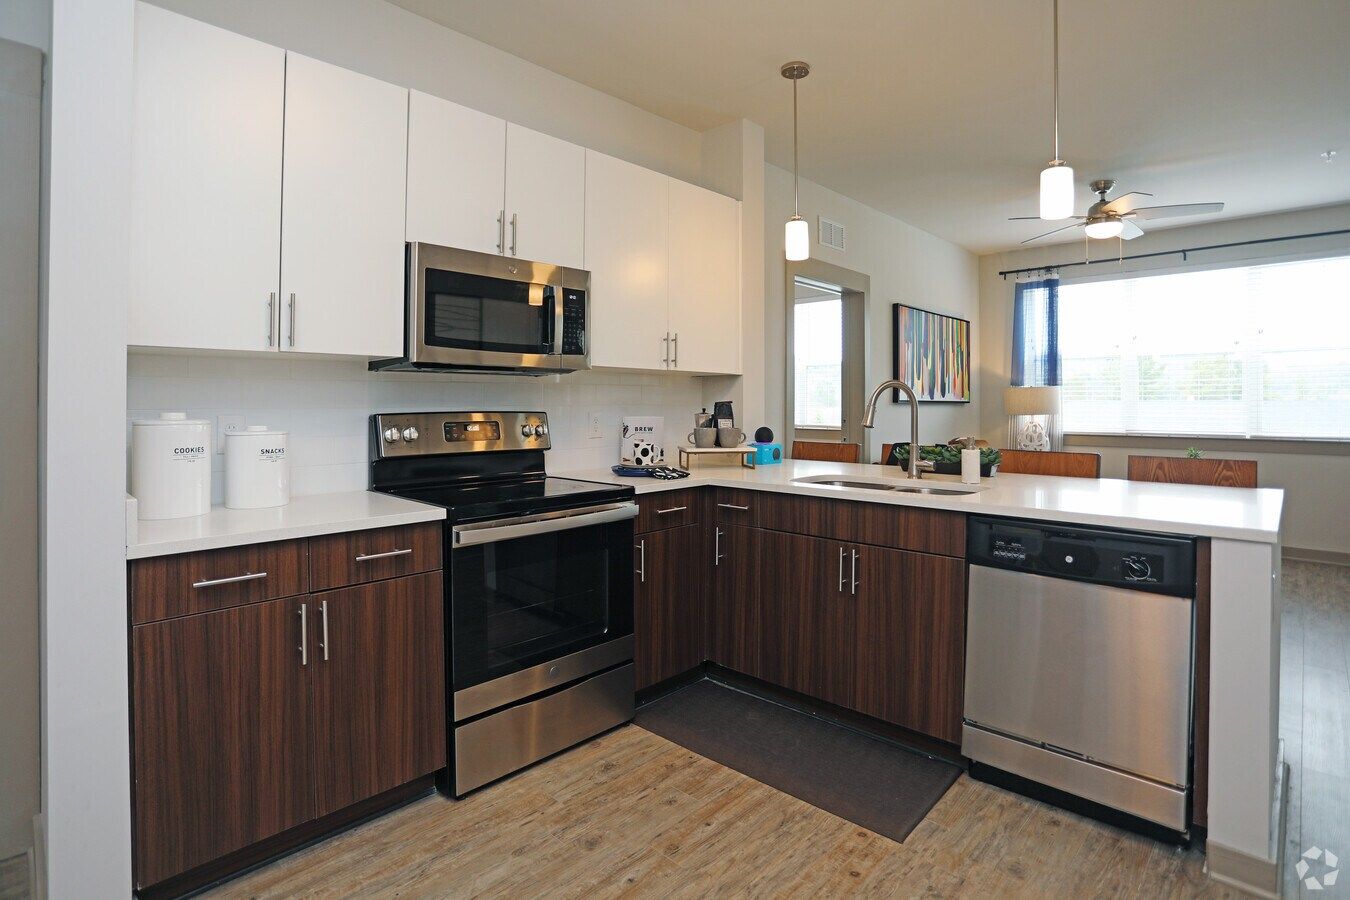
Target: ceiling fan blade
{"x": 1177, "y": 209}
{"x": 1048, "y": 233}
{"x": 1124, "y": 203}
{"x": 1129, "y": 231}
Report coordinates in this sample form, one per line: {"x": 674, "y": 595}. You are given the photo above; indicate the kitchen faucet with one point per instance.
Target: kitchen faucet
{"x": 870, "y": 414}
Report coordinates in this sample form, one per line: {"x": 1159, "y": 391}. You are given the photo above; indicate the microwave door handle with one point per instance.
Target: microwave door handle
{"x": 528, "y": 526}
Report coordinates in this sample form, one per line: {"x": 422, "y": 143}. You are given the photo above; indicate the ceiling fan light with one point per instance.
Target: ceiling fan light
{"x": 797, "y": 239}
{"x": 1057, "y": 198}
{"x": 1105, "y": 228}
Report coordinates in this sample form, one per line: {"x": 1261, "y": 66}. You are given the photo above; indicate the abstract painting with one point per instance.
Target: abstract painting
{"x": 931, "y": 353}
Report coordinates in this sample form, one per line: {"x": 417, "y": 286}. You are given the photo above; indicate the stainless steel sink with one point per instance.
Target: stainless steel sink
{"x": 887, "y": 484}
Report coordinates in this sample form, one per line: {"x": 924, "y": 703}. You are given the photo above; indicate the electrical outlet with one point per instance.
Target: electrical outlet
{"x": 595, "y": 430}
{"x": 226, "y": 425}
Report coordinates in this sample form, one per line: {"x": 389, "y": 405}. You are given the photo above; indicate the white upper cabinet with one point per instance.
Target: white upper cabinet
{"x": 545, "y": 198}
{"x": 342, "y": 261}
{"x": 705, "y": 280}
{"x": 627, "y": 253}
{"x": 456, "y": 175}
{"x": 205, "y": 225}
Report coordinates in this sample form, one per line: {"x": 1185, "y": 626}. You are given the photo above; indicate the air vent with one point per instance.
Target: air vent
{"x": 831, "y": 233}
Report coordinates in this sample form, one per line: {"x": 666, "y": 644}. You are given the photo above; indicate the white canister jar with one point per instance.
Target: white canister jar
{"x": 257, "y": 470}
{"x": 171, "y": 466}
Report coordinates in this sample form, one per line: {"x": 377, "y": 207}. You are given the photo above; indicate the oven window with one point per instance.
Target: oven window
{"x": 515, "y": 604}
{"x": 472, "y": 312}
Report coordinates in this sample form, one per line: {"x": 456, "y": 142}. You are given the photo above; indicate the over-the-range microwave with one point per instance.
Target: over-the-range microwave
{"x": 480, "y": 312}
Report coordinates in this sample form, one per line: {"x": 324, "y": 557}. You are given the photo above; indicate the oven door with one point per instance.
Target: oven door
{"x": 538, "y": 601}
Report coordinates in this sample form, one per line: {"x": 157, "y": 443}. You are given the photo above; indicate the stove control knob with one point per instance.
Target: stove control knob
{"x": 410, "y": 433}
{"x": 391, "y": 435}
{"x": 542, "y": 429}
{"x": 527, "y": 430}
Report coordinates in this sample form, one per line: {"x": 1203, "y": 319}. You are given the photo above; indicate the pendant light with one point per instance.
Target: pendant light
{"x": 1057, "y": 178}
{"x": 796, "y": 233}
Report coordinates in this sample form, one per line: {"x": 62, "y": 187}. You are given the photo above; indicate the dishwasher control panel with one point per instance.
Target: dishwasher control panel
{"x": 1160, "y": 563}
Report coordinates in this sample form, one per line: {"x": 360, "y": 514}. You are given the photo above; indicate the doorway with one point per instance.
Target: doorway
{"x": 826, "y": 353}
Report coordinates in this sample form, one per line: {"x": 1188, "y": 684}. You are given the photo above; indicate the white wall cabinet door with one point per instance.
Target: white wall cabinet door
{"x": 705, "y": 280}
{"x": 206, "y": 185}
{"x": 545, "y": 198}
{"x": 456, "y": 175}
{"x": 627, "y": 253}
{"x": 345, "y": 164}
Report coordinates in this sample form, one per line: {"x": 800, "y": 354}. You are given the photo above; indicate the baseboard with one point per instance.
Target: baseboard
{"x": 1327, "y": 557}
{"x": 1256, "y": 875}
{"x": 39, "y": 869}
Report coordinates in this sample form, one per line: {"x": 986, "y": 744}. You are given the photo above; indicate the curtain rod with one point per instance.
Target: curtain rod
{"x": 1183, "y": 252}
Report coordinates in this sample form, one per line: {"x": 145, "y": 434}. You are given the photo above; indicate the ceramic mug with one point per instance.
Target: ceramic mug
{"x": 703, "y": 437}
{"x": 730, "y": 437}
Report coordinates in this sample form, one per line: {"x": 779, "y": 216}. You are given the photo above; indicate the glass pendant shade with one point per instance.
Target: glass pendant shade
{"x": 1057, "y": 191}
{"x": 797, "y": 239}
{"x": 1107, "y": 228}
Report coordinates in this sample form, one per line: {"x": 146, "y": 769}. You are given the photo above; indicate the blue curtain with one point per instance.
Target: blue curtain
{"x": 1035, "y": 350}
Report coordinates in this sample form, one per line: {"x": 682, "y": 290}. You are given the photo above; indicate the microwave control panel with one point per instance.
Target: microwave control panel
{"x": 574, "y": 322}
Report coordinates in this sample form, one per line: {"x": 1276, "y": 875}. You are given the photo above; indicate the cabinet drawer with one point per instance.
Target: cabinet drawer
{"x": 832, "y": 519}
{"x": 168, "y": 586}
{"x": 667, "y": 509}
{"x": 735, "y": 507}
{"x": 908, "y": 528}
{"x": 337, "y": 560}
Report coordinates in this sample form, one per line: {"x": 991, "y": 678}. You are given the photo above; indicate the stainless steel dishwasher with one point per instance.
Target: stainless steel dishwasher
{"x": 1079, "y": 668}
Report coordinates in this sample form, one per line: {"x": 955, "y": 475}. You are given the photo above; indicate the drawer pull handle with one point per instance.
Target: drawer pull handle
{"x": 734, "y": 506}
{"x": 234, "y": 579}
{"x": 367, "y": 557}
{"x": 662, "y": 512}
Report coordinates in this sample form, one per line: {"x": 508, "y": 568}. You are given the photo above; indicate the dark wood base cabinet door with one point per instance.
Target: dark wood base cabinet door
{"x": 734, "y": 604}
{"x": 378, "y": 658}
{"x": 667, "y": 603}
{"x": 911, "y": 640}
{"x": 221, "y": 730}
{"x": 808, "y": 616}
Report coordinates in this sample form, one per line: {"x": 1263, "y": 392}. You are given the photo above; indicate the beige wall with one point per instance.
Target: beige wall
{"x": 1316, "y": 478}
{"x": 904, "y": 264}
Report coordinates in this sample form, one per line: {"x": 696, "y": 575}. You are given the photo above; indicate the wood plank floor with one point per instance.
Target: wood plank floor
{"x": 631, "y": 814}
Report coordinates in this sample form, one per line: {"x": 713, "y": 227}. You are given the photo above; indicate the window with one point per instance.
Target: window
{"x": 818, "y": 358}
{"x": 1248, "y": 351}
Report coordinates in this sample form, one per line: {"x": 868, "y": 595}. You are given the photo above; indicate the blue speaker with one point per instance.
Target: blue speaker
{"x": 767, "y": 453}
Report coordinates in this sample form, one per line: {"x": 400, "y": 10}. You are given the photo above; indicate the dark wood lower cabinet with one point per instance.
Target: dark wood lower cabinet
{"x": 910, "y": 652}
{"x": 667, "y": 601}
{"x": 379, "y": 688}
{"x": 733, "y": 610}
{"x": 221, "y": 731}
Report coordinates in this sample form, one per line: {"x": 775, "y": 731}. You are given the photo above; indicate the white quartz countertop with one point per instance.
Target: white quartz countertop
{"x": 302, "y": 517}
{"x": 1237, "y": 513}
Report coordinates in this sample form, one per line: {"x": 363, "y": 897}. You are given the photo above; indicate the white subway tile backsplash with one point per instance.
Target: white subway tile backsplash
{"x": 326, "y": 405}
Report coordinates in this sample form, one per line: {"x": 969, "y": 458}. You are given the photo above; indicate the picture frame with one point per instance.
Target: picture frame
{"x": 930, "y": 352}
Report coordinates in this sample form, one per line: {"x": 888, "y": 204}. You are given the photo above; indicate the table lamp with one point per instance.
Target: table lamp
{"x": 1033, "y": 417}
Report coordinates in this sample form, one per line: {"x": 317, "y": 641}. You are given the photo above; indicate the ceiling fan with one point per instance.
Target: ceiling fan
{"x": 1116, "y": 218}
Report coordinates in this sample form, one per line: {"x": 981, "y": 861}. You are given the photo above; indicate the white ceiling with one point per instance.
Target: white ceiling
{"x": 938, "y": 111}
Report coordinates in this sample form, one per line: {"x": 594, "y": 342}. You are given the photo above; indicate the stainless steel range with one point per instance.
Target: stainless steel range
{"x": 538, "y": 586}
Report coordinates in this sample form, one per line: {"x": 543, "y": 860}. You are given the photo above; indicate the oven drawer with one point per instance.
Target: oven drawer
{"x": 501, "y": 743}
{"x": 667, "y": 509}
{"x": 358, "y": 557}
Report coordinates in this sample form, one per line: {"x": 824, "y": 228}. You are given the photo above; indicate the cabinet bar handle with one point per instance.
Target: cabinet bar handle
{"x": 323, "y": 645}
{"x": 642, "y": 560}
{"x": 501, "y": 231}
{"x": 233, "y": 579}
{"x": 513, "y": 234}
{"x": 717, "y": 547}
{"x": 666, "y": 361}
{"x": 271, "y": 317}
{"x": 366, "y": 557}
{"x": 662, "y": 512}
{"x": 291, "y": 336}
{"x": 854, "y": 573}
{"x": 304, "y": 636}
{"x": 675, "y": 363}
{"x": 734, "y": 506}
{"x": 841, "y": 570}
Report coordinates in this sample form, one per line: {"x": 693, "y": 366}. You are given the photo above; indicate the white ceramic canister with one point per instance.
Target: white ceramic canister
{"x": 257, "y": 471}
{"x": 171, "y": 466}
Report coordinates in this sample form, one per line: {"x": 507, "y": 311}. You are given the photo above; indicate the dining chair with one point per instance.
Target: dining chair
{"x": 1051, "y": 462}
{"x": 829, "y": 451}
{"x": 1182, "y": 470}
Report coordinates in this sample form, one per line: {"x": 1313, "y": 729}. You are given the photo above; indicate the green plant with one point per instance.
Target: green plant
{"x": 1191, "y": 453}
{"x": 942, "y": 453}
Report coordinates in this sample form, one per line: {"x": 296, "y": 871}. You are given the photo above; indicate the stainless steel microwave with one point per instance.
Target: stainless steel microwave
{"x": 479, "y": 312}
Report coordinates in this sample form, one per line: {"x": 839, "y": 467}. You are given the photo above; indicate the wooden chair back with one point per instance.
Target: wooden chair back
{"x": 1180, "y": 470}
{"x": 1051, "y": 462}
{"x": 829, "y": 451}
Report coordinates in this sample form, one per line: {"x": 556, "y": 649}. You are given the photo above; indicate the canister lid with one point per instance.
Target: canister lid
{"x": 171, "y": 418}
